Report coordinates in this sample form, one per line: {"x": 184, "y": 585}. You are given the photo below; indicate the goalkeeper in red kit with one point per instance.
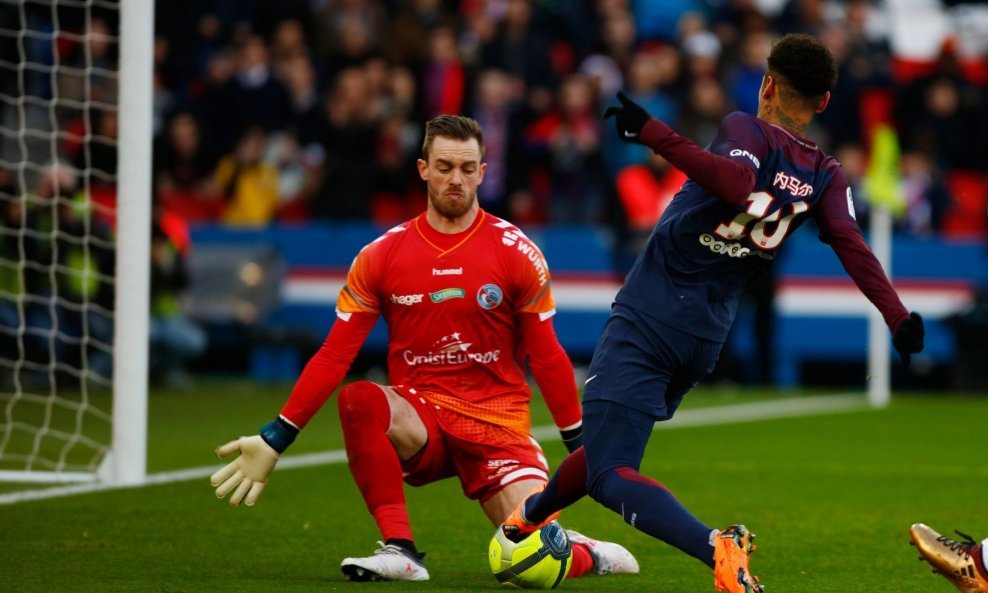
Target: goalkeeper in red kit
{"x": 467, "y": 299}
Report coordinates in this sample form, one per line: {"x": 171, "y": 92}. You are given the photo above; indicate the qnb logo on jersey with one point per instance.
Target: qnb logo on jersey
{"x": 739, "y": 152}
{"x": 792, "y": 185}
{"x": 407, "y": 299}
{"x": 451, "y": 350}
{"x": 447, "y": 272}
{"x": 490, "y": 296}
{"x": 731, "y": 248}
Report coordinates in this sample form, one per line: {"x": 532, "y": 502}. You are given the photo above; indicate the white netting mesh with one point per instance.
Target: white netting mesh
{"x": 58, "y": 129}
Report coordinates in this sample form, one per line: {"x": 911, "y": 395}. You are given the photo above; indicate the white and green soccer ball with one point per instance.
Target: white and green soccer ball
{"x": 540, "y": 561}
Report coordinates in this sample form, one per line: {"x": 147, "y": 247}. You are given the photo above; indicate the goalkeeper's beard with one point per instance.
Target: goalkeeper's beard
{"x": 452, "y": 207}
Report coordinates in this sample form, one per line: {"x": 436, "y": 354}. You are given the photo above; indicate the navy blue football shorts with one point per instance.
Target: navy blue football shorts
{"x": 645, "y": 365}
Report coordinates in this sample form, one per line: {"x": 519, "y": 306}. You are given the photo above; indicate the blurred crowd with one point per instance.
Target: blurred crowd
{"x": 296, "y": 110}
{"x": 287, "y": 111}
{"x": 308, "y": 110}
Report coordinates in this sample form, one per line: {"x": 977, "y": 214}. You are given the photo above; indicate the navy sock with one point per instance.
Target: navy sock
{"x": 648, "y": 506}
{"x": 566, "y": 486}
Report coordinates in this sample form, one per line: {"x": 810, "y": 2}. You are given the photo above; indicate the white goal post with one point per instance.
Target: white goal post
{"x": 879, "y": 354}
{"x": 63, "y": 416}
{"x": 129, "y": 451}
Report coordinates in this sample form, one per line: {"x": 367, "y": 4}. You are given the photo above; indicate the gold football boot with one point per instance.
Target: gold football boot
{"x": 958, "y": 561}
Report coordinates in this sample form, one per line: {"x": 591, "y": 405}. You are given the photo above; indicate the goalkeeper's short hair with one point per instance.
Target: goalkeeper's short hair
{"x": 457, "y": 127}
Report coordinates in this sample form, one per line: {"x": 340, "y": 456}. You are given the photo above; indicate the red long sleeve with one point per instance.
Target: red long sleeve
{"x": 326, "y": 369}
{"x": 834, "y": 215}
{"x": 727, "y": 180}
{"x": 552, "y": 369}
{"x": 862, "y": 266}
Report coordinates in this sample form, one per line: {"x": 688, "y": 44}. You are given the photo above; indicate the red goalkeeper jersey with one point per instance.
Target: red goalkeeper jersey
{"x": 452, "y": 304}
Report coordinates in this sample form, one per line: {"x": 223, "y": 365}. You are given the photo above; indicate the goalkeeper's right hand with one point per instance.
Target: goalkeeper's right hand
{"x": 249, "y": 472}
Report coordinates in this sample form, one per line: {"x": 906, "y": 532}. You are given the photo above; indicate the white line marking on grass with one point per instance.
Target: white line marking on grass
{"x": 768, "y": 410}
{"x": 732, "y": 414}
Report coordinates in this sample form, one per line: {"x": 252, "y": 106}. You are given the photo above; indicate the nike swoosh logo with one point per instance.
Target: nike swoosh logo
{"x": 589, "y": 380}
{"x": 628, "y": 134}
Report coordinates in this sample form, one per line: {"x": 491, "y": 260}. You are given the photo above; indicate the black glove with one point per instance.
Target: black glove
{"x": 908, "y": 337}
{"x": 630, "y": 118}
{"x": 572, "y": 438}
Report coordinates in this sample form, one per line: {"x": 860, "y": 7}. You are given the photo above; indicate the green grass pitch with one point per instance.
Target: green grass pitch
{"x": 831, "y": 498}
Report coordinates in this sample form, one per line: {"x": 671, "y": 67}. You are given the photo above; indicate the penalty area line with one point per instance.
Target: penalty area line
{"x": 749, "y": 412}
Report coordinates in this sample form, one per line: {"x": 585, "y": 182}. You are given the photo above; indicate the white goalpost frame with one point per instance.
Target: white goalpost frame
{"x": 128, "y": 454}
{"x": 125, "y": 461}
{"x": 879, "y": 358}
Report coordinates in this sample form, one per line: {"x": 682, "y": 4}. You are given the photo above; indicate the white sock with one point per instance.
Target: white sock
{"x": 713, "y": 536}
{"x": 984, "y": 554}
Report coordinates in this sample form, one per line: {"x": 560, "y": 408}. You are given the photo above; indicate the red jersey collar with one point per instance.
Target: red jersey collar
{"x": 445, "y": 242}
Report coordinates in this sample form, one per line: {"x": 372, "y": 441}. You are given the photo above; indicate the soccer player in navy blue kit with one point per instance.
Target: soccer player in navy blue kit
{"x": 758, "y": 181}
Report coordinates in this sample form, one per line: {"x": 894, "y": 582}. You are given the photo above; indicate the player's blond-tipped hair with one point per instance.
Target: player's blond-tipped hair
{"x": 804, "y": 68}
{"x": 457, "y": 127}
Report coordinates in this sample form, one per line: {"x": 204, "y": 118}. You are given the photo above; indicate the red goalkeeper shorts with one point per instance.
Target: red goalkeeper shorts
{"x": 485, "y": 457}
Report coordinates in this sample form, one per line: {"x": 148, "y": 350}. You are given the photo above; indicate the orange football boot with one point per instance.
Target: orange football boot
{"x": 516, "y": 527}
{"x": 731, "y": 551}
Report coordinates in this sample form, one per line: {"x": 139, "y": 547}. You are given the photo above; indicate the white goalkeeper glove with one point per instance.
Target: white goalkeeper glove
{"x": 248, "y": 473}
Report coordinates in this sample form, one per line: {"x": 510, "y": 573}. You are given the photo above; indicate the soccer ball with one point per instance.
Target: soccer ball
{"x": 540, "y": 561}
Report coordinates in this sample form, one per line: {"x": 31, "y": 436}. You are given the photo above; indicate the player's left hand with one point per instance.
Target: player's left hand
{"x": 908, "y": 337}
{"x": 629, "y": 118}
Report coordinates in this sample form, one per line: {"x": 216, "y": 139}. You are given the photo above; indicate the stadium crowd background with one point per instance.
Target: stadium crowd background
{"x": 293, "y": 111}
{"x": 313, "y": 110}
{"x": 296, "y": 110}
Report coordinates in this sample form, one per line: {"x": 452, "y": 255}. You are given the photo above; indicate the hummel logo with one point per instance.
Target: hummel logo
{"x": 628, "y": 134}
{"x": 447, "y": 271}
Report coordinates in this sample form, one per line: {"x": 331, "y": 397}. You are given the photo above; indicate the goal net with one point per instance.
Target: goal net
{"x": 61, "y": 238}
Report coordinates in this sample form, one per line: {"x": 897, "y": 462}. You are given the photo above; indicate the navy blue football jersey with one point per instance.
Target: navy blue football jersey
{"x": 704, "y": 251}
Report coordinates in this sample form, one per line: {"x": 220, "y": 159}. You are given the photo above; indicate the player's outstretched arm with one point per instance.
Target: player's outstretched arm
{"x": 835, "y": 217}
{"x": 247, "y": 475}
{"x": 729, "y": 181}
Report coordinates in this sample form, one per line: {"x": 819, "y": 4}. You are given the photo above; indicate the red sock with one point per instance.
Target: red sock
{"x": 571, "y": 475}
{"x": 366, "y": 416}
{"x": 979, "y": 560}
{"x": 582, "y": 561}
